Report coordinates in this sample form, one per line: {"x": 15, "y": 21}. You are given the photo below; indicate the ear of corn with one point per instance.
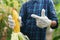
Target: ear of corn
{"x": 15, "y": 18}
{"x": 5, "y": 7}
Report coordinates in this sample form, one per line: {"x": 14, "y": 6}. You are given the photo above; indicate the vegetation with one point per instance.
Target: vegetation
{"x": 5, "y": 10}
{"x": 56, "y": 34}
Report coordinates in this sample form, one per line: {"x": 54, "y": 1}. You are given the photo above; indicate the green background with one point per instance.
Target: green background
{"x": 6, "y": 4}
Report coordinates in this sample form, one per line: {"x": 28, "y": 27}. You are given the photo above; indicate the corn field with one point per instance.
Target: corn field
{"x": 5, "y": 10}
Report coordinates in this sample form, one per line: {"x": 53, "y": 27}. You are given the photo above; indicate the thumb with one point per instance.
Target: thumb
{"x": 43, "y": 12}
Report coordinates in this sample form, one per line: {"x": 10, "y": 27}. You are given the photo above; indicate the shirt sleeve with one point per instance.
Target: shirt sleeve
{"x": 23, "y": 16}
{"x": 52, "y": 13}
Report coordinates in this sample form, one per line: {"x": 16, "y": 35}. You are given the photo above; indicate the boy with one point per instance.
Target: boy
{"x": 31, "y": 26}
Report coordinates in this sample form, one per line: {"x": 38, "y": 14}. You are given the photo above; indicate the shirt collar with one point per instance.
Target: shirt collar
{"x": 35, "y": 1}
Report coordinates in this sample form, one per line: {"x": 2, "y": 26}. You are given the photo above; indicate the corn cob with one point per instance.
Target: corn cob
{"x": 15, "y": 18}
{"x": 16, "y": 34}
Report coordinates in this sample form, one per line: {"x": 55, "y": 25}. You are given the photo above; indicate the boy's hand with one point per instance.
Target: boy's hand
{"x": 11, "y": 21}
{"x": 42, "y": 21}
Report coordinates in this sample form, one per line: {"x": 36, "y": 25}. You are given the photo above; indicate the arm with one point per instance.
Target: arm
{"x": 52, "y": 14}
{"x": 23, "y": 16}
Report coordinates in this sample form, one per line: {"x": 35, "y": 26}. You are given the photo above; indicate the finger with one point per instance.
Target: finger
{"x": 43, "y": 12}
{"x": 11, "y": 26}
{"x": 35, "y": 16}
{"x": 11, "y": 21}
{"x": 19, "y": 18}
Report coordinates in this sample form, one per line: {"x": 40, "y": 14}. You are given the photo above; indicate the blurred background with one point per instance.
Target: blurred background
{"x": 5, "y": 10}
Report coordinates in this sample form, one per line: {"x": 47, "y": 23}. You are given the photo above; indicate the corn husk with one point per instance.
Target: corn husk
{"x": 18, "y": 36}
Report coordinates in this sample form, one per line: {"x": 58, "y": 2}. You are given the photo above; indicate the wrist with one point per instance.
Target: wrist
{"x": 53, "y": 23}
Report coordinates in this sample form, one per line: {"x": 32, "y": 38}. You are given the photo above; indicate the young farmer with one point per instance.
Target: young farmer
{"x": 35, "y": 28}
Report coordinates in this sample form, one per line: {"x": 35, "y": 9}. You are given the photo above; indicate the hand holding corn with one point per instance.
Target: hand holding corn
{"x": 14, "y": 21}
{"x": 11, "y": 21}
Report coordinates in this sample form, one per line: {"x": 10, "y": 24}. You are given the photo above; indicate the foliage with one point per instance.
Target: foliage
{"x": 56, "y": 34}
{"x": 5, "y": 10}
